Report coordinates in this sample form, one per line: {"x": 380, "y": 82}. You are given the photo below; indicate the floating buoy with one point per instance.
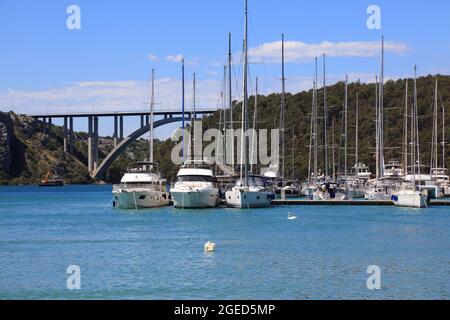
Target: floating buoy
{"x": 291, "y": 217}
{"x": 210, "y": 246}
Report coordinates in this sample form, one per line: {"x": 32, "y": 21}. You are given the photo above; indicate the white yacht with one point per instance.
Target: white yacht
{"x": 393, "y": 169}
{"x": 425, "y": 182}
{"x": 361, "y": 171}
{"x": 408, "y": 196}
{"x": 440, "y": 175}
{"x": 329, "y": 192}
{"x": 196, "y": 186}
{"x": 378, "y": 190}
{"x": 141, "y": 187}
{"x": 354, "y": 189}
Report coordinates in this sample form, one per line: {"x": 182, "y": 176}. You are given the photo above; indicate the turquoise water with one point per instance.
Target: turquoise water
{"x": 158, "y": 254}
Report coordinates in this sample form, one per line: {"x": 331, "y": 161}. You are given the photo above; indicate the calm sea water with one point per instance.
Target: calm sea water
{"x": 158, "y": 254}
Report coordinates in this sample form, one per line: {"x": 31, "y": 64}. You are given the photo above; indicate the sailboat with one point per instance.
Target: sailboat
{"x": 409, "y": 195}
{"x": 379, "y": 189}
{"x": 142, "y": 185}
{"x": 246, "y": 194}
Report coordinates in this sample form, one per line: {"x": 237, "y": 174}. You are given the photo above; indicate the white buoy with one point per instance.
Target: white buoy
{"x": 291, "y": 217}
{"x": 210, "y": 246}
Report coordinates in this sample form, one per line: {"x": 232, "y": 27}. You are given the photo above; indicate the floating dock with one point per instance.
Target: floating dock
{"x": 302, "y": 202}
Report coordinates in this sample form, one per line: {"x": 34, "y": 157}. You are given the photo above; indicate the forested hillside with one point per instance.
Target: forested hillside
{"x": 27, "y": 152}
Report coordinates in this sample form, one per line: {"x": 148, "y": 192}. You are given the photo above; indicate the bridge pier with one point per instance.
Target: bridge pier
{"x": 115, "y": 131}
{"x": 95, "y": 147}
{"x": 121, "y": 128}
{"x": 65, "y": 135}
{"x": 49, "y": 127}
{"x": 147, "y": 120}
{"x": 90, "y": 153}
{"x": 44, "y": 124}
{"x": 142, "y": 120}
{"x": 71, "y": 135}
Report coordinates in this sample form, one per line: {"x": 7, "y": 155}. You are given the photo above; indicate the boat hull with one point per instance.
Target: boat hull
{"x": 411, "y": 200}
{"x": 195, "y": 199}
{"x": 243, "y": 199}
{"x": 140, "y": 199}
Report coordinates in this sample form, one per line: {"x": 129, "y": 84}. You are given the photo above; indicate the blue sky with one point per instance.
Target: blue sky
{"x": 105, "y": 65}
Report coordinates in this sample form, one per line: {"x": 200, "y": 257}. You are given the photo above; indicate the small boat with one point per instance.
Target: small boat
{"x": 290, "y": 191}
{"x": 408, "y": 196}
{"x": 329, "y": 191}
{"x": 361, "y": 171}
{"x": 393, "y": 169}
{"x": 440, "y": 176}
{"x": 378, "y": 192}
{"x": 354, "y": 189}
{"x": 51, "y": 180}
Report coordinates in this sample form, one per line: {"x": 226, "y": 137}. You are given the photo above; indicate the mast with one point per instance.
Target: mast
{"x": 377, "y": 129}
{"x": 333, "y": 144}
{"x": 311, "y": 136}
{"x": 230, "y": 98}
{"x": 381, "y": 111}
{"x": 255, "y": 115}
{"x": 443, "y": 136}
{"x": 325, "y": 120}
{"x": 223, "y": 118}
{"x": 182, "y": 103}
{"x": 405, "y": 132}
{"x": 282, "y": 124}
{"x": 244, "y": 146}
{"x": 315, "y": 126}
{"x": 416, "y": 124}
{"x": 357, "y": 129}
{"x": 434, "y": 142}
{"x": 345, "y": 125}
{"x": 193, "y": 94}
{"x": 152, "y": 110}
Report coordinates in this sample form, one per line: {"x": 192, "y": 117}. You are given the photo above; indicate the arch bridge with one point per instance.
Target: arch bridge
{"x": 96, "y": 169}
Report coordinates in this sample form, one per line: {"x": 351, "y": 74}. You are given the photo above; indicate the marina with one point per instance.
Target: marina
{"x": 206, "y": 154}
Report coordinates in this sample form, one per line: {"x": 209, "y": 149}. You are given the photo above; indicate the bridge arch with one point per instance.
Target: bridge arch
{"x": 117, "y": 151}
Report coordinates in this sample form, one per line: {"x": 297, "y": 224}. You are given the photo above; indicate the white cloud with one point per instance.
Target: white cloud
{"x": 174, "y": 58}
{"x": 129, "y": 95}
{"x": 297, "y": 51}
{"x": 152, "y": 57}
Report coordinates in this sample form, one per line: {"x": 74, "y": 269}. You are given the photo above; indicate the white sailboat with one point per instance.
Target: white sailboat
{"x": 244, "y": 194}
{"x": 409, "y": 195}
{"x": 142, "y": 185}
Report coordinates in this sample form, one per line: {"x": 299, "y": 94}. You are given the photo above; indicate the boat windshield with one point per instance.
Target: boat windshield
{"x": 194, "y": 178}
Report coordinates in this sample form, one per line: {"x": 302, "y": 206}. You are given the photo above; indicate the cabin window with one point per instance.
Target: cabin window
{"x": 141, "y": 197}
